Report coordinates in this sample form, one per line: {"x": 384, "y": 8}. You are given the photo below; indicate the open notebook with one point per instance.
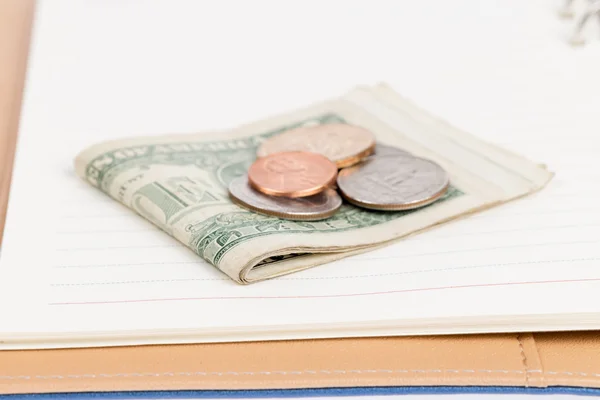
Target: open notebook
{"x": 86, "y": 271}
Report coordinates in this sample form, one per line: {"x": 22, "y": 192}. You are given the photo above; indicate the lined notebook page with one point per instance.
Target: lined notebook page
{"x": 92, "y": 265}
{"x": 77, "y": 264}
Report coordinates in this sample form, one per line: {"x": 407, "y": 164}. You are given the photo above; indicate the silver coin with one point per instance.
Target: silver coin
{"x": 310, "y": 208}
{"x": 393, "y": 183}
{"x": 387, "y": 150}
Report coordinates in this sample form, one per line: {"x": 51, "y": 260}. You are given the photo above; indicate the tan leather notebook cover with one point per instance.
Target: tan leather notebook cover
{"x": 524, "y": 360}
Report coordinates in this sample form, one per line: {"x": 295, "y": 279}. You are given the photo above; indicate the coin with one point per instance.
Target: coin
{"x": 343, "y": 144}
{"x": 318, "y": 206}
{"x": 292, "y": 174}
{"x": 393, "y": 183}
{"x": 387, "y": 150}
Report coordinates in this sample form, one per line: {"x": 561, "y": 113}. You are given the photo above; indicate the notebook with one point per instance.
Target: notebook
{"x": 507, "y": 363}
{"x": 87, "y": 272}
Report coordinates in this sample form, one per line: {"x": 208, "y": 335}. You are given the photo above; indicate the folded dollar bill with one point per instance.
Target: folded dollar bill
{"x": 179, "y": 183}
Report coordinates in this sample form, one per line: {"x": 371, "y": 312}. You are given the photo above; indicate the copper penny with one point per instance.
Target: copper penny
{"x": 292, "y": 174}
{"x": 343, "y": 144}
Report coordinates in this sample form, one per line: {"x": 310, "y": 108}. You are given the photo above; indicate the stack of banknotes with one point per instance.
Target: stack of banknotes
{"x": 331, "y": 180}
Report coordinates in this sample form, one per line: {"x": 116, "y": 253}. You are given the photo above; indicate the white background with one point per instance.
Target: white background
{"x": 489, "y": 67}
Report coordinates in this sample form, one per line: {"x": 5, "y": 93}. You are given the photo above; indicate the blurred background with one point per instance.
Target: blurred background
{"x": 163, "y": 66}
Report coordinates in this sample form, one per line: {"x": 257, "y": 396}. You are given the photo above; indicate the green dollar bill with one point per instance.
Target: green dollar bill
{"x": 179, "y": 183}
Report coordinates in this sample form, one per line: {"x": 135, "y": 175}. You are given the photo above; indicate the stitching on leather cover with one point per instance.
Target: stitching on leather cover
{"x": 523, "y": 360}
{"x": 306, "y": 372}
{"x": 571, "y": 373}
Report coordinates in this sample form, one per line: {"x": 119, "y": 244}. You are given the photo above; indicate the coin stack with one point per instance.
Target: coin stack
{"x": 297, "y": 175}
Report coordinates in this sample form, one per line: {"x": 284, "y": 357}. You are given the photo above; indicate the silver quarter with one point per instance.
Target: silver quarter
{"x": 387, "y": 150}
{"x": 310, "y": 208}
{"x": 393, "y": 183}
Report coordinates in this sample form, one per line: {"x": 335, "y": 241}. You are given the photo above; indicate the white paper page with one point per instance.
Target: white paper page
{"x": 75, "y": 263}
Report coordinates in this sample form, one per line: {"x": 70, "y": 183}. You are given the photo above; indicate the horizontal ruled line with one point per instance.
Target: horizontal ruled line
{"x": 535, "y": 228}
{"x": 344, "y": 295}
{"x": 99, "y": 232}
{"x": 67, "y": 249}
{"x": 357, "y": 259}
{"x": 536, "y": 262}
{"x": 102, "y": 216}
{"x": 535, "y": 211}
{"x": 471, "y": 233}
{"x": 129, "y": 264}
